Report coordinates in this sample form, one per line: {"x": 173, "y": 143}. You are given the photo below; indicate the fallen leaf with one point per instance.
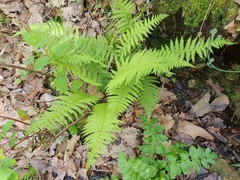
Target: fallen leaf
{"x": 131, "y": 137}
{"x": 195, "y": 131}
{"x": 167, "y": 96}
{"x": 203, "y": 106}
{"x": 231, "y": 27}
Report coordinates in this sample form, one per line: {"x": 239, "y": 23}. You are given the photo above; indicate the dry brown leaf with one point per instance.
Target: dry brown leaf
{"x": 203, "y": 106}
{"x": 131, "y": 137}
{"x": 195, "y": 131}
{"x": 71, "y": 145}
{"x": 167, "y": 96}
{"x": 231, "y": 27}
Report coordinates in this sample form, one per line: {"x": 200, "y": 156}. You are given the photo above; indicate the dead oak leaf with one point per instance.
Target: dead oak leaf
{"x": 203, "y": 106}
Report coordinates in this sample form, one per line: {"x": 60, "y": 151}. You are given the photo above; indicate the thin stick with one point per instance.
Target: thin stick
{"x": 205, "y": 17}
{"x": 26, "y": 69}
{"x": 70, "y": 125}
{"x": 5, "y": 117}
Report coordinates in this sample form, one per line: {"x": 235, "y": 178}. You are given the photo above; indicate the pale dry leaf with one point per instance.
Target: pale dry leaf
{"x": 113, "y": 150}
{"x": 166, "y": 121}
{"x": 202, "y": 106}
{"x": 231, "y": 27}
{"x": 167, "y": 96}
{"x": 83, "y": 174}
{"x": 195, "y": 131}
{"x": 71, "y": 145}
{"x": 216, "y": 87}
{"x": 131, "y": 137}
{"x": 220, "y": 103}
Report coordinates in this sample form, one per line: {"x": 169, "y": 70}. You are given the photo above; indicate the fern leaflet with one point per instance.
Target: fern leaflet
{"x": 65, "y": 109}
{"x": 99, "y": 128}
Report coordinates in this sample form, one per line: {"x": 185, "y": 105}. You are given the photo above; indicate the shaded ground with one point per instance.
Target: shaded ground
{"x": 212, "y": 124}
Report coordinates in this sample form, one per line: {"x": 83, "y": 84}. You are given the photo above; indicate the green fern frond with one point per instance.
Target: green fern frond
{"x": 193, "y": 47}
{"x": 142, "y": 64}
{"x": 64, "y": 110}
{"x": 122, "y": 15}
{"x": 123, "y": 96}
{"x": 149, "y": 95}
{"x": 136, "y": 33}
{"x": 98, "y": 131}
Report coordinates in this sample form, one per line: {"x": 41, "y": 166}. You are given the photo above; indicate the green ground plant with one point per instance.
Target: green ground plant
{"x": 109, "y": 72}
{"x": 157, "y": 161}
{"x": 5, "y": 128}
{"x": 6, "y": 173}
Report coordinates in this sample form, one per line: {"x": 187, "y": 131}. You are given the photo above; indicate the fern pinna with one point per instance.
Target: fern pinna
{"x": 87, "y": 60}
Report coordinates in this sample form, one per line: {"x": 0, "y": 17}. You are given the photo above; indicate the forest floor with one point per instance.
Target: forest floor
{"x": 197, "y": 106}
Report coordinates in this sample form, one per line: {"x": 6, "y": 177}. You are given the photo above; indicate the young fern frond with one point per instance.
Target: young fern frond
{"x": 99, "y": 128}
{"x": 192, "y": 47}
{"x": 142, "y": 64}
{"x": 64, "y": 110}
{"x": 136, "y": 33}
{"x": 149, "y": 95}
{"x": 122, "y": 15}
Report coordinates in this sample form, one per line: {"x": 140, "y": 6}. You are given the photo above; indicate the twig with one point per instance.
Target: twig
{"x": 206, "y": 14}
{"x": 70, "y": 125}
{"x": 26, "y": 69}
{"x": 5, "y": 117}
{"x": 23, "y": 139}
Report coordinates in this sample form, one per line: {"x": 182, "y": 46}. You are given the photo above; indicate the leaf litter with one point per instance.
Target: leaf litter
{"x": 67, "y": 156}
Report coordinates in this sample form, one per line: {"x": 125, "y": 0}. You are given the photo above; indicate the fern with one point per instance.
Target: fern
{"x": 149, "y": 95}
{"x": 135, "y": 34}
{"x": 88, "y": 59}
{"x": 63, "y": 110}
{"x": 99, "y": 128}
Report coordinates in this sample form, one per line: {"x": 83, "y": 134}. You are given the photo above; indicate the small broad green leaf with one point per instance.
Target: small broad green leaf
{"x": 7, "y": 126}
{"x": 196, "y": 164}
{"x": 76, "y": 84}
{"x": 17, "y": 81}
{"x": 1, "y": 155}
{"x": 23, "y": 114}
{"x": 161, "y": 138}
{"x": 200, "y": 152}
{"x": 183, "y": 154}
{"x": 41, "y": 62}
{"x": 5, "y": 173}
{"x": 24, "y": 73}
{"x": 61, "y": 83}
{"x": 174, "y": 170}
{"x": 193, "y": 152}
{"x": 204, "y": 162}
{"x": 158, "y": 128}
{"x": 172, "y": 157}
{"x": 161, "y": 149}
{"x": 185, "y": 166}
{"x": 8, "y": 162}
{"x": 149, "y": 132}
{"x": 30, "y": 60}
{"x": 147, "y": 148}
